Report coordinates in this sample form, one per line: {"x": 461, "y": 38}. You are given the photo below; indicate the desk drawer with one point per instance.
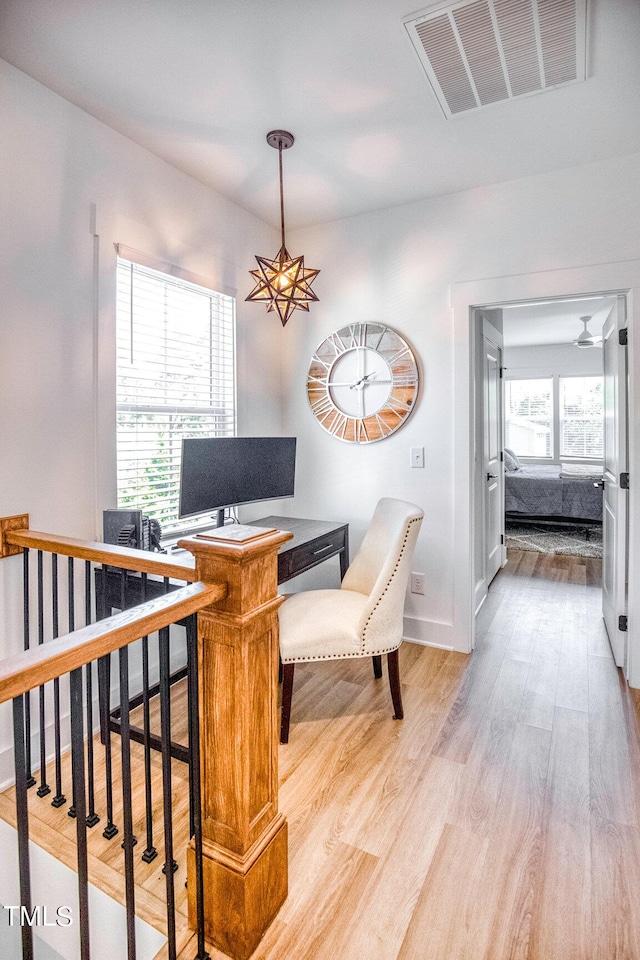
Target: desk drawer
{"x": 313, "y": 553}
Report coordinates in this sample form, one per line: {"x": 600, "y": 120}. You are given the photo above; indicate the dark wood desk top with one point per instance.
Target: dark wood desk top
{"x": 304, "y": 531}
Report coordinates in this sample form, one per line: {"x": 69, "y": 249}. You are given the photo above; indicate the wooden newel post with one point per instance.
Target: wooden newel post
{"x": 244, "y": 836}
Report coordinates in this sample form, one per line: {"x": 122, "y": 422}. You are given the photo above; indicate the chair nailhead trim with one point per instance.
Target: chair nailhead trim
{"x": 348, "y": 656}
{"x": 388, "y": 584}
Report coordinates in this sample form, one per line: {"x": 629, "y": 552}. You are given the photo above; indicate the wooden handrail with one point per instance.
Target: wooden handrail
{"x": 127, "y": 558}
{"x": 36, "y": 666}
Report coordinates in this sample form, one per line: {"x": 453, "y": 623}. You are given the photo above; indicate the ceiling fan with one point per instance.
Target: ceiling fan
{"x": 586, "y": 338}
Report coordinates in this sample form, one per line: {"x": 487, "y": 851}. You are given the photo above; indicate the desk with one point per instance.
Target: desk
{"x": 314, "y": 542}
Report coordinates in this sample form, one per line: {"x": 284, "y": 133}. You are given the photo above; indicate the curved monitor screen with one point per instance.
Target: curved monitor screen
{"x": 219, "y": 472}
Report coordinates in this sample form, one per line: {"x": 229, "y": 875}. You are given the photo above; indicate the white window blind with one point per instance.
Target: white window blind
{"x": 581, "y": 413}
{"x": 529, "y": 417}
{"x": 175, "y": 379}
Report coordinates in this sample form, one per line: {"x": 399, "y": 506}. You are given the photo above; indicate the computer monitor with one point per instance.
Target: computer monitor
{"x": 219, "y": 472}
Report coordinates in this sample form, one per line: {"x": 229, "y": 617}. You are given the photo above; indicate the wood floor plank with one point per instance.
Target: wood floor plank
{"x": 461, "y": 726}
{"x": 612, "y": 789}
{"x": 538, "y": 702}
{"x": 615, "y": 879}
{"x": 328, "y": 913}
{"x": 397, "y": 880}
{"x": 565, "y": 874}
{"x": 511, "y": 873}
{"x": 572, "y": 690}
{"x": 442, "y": 922}
{"x": 487, "y": 765}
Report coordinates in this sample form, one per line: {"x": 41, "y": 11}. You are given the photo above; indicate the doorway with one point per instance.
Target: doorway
{"x": 549, "y": 284}
{"x": 550, "y": 430}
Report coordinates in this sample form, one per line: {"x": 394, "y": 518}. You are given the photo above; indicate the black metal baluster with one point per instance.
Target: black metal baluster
{"x": 71, "y": 812}
{"x": 59, "y": 798}
{"x": 127, "y": 816}
{"x": 22, "y": 816}
{"x": 150, "y": 853}
{"x": 27, "y": 697}
{"x": 170, "y": 866}
{"x": 44, "y": 787}
{"x": 77, "y": 773}
{"x": 195, "y": 800}
{"x": 92, "y": 816}
{"x": 104, "y": 696}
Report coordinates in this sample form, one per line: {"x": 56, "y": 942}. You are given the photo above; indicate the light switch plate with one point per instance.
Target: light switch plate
{"x": 417, "y": 456}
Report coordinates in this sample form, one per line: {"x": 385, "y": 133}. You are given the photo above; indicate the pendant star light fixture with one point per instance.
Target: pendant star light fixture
{"x": 283, "y": 283}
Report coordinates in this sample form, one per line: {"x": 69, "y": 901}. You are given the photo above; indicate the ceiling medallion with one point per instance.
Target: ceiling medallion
{"x": 283, "y": 283}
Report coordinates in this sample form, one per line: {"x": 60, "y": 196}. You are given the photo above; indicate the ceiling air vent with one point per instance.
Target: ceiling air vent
{"x": 479, "y": 52}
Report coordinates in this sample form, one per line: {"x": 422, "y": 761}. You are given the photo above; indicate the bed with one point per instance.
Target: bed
{"x": 538, "y": 490}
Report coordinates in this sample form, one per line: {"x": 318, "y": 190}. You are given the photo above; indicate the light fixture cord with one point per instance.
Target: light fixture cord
{"x": 281, "y": 191}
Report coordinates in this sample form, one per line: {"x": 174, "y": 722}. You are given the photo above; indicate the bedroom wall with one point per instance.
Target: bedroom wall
{"x": 399, "y": 266}
{"x": 559, "y": 359}
{"x": 64, "y": 177}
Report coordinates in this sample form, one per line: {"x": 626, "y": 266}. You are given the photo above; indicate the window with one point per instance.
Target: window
{"x": 529, "y": 417}
{"x": 581, "y": 415}
{"x": 175, "y": 379}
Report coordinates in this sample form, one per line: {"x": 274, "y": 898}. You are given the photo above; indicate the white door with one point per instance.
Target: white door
{"x": 614, "y": 518}
{"x": 492, "y": 453}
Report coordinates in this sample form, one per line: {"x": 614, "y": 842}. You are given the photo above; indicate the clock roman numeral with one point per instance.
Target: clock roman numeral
{"x": 385, "y": 429}
{"x": 397, "y": 356}
{"x": 337, "y": 343}
{"x": 338, "y": 425}
{"x": 361, "y": 432}
{"x": 322, "y": 405}
{"x": 398, "y": 406}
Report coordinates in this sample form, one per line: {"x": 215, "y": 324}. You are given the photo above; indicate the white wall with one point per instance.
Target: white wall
{"x": 57, "y": 381}
{"x": 553, "y": 359}
{"x": 398, "y": 266}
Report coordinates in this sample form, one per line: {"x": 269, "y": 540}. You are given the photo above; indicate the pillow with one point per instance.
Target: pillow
{"x": 511, "y": 462}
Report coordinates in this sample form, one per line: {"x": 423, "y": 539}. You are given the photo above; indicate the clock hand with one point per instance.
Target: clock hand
{"x": 363, "y": 379}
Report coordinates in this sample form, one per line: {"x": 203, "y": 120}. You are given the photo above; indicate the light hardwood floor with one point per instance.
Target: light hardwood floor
{"x": 499, "y": 819}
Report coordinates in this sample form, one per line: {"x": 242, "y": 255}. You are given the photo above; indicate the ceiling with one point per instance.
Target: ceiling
{"x": 553, "y": 322}
{"x": 201, "y": 83}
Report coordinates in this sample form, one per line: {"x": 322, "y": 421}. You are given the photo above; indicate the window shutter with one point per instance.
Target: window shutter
{"x": 581, "y": 413}
{"x": 175, "y": 379}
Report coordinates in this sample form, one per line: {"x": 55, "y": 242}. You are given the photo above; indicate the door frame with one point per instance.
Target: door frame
{"x": 482, "y": 326}
{"x": 468, "y": 296}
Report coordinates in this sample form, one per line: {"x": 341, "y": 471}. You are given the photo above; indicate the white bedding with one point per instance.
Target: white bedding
{"x": 580, "y": 471}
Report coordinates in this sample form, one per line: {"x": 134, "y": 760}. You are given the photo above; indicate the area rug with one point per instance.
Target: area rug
{"x": 582, "y": 541}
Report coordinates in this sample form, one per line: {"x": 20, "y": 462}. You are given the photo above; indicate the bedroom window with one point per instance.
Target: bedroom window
{"x": 529, "y": 417}
{"x": 175, "y": 379}
{"x": 581, "y": 412}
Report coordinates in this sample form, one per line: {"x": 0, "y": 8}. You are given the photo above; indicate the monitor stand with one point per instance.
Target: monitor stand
{"x": 219, "y": 518}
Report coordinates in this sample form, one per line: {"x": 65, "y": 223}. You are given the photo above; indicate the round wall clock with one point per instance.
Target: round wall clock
{"x": 362, "y": 382}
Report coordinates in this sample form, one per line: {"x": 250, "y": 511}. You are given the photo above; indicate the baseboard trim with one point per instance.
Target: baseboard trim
{"x": 429, "y": 633}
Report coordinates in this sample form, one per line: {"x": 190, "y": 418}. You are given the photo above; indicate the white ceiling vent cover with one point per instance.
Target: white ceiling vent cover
{"x": 479, "y": 52}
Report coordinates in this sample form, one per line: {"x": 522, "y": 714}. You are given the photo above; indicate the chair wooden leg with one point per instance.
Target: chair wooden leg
{"x": 287, "y": 692}
{"x": 377, "y": 667}
{"x": 394, "y": 684}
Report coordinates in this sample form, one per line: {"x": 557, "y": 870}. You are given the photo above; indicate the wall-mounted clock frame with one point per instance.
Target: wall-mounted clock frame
{"x": 363, "y": 382}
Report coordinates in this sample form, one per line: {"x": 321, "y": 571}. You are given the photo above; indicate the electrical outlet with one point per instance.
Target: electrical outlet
{"x": 417, "y": 583}
{"x": 417, "y": 456}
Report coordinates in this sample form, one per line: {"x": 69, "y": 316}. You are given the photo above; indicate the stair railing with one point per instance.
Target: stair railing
{"x": 237, "y": 855}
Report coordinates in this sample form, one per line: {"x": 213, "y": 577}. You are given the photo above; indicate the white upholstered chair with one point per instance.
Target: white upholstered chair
{"x": 364, "y": 617}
